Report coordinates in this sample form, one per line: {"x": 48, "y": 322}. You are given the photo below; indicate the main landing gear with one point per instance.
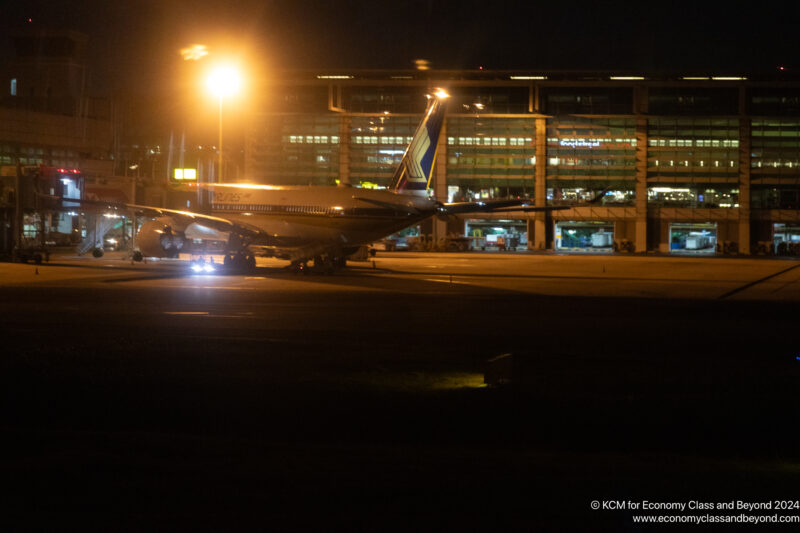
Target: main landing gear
{"x": 324, "y": 264}
{"x": 239, "y": 262}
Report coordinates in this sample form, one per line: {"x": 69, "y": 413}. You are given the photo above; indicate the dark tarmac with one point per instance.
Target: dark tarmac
{"x": 138, "y": 399}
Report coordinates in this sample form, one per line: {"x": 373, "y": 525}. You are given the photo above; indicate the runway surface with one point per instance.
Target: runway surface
{"x": 141, "y": 395}
{"x": 758, "y": 278}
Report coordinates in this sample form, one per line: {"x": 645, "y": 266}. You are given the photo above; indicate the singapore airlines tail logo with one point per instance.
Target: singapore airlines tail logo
{"x": 418, "y": 176}
{"x": 415, "y": 169}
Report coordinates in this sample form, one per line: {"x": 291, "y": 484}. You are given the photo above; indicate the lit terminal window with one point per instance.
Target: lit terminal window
{"x": 490, "y": 141}
{"x": 185, "y": 174}
{"x": 313, "y": 139}
{"x": 13, "y": 87}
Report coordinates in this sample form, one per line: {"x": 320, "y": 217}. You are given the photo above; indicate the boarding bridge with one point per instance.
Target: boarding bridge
{"x": 95, "y": 234}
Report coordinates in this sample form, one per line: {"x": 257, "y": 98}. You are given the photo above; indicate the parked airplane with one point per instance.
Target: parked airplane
{"x": 323, "y": 224}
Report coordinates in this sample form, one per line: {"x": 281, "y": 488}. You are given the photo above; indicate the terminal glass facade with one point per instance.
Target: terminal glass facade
{"x": 663, "y": 150}
{"x": 490, "y": 158}
{"x": 297, "y": 149}
{"x": 693, "y": 162}
{"x": 30, "y": 155}
{"x": 775, "y": 163}
{"x": 585, "y": 155}
{"x": 377, "y": 144}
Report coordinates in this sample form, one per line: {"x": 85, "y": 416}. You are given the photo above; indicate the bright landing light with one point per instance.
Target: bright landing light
{"x": 224, "y": 81}
{"x": 207, "y": 268}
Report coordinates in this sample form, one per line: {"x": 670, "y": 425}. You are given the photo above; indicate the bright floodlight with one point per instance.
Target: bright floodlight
{"x": 441, "y": 93}
{"x": 224, "y": 81}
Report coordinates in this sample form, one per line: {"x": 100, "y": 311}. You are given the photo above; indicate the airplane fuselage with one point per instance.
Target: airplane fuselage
{"x": 345, "y": 216}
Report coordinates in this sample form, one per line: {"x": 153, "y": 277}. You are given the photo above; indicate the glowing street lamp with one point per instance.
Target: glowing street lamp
{"x": 223, "y": 81}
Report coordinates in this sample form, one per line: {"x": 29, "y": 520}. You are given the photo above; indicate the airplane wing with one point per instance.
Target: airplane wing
{"x": 252, "y": 238}
{"x": 397, "y": 208}
{"x": 507, "y": 206}
{"x": 531, "y": 209}
{"x": 494, "y": 206}
{"x": 183, "y": 218}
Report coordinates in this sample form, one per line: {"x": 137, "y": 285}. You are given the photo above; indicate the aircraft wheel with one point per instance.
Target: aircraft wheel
{"x": 318, "y": 264}
{"x": 138, "y": 256}
{"x": 328, "y": 266}
{"x": 250, "y": 261}
{"x": 97, "y": 252}
{"x": 37, "y": 258}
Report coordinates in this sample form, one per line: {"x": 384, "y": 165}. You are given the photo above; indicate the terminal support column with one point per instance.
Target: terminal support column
{"x": 539, "y": 240}
{"x": 440, "y": 184}
{"x": 345, "y": 127}
{"x": 744, "y": 176}
{"x": 641, "y": 107}
{"x": 641, "y": 185}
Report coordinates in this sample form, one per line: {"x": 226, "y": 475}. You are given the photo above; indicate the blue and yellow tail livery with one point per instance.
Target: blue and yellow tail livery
{"x": 414, "y": 173}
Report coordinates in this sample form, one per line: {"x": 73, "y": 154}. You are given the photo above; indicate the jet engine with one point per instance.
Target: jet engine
{"x": 159, "y": 238}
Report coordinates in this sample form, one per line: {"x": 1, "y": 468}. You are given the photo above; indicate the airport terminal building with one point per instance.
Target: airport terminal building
{"x": 693, "y": 164}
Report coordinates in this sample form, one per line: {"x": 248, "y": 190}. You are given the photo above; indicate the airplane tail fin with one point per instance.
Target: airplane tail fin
{"x": 413, "y": 175}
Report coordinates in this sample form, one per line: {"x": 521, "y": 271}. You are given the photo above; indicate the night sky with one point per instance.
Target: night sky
{"x": 138, "y": 41}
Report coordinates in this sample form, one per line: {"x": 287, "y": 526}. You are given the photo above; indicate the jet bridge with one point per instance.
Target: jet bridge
{"x": 32, "y": 213}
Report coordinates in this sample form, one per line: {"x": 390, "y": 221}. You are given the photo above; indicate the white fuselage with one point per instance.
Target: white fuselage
{"x": 345, "y": 216}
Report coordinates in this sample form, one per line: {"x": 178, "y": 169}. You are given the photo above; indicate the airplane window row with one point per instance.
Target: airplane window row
{"x": 303, "y": 210}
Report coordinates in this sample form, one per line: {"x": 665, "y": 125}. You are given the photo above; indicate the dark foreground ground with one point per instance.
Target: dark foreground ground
{"x": 350, "y": 404}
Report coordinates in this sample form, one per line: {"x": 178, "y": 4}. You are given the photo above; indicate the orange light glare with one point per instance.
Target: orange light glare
{"x": 224, "y": 81}
{"x": 194, "y": 52}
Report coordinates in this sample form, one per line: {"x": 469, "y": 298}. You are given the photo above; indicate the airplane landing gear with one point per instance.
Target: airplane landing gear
{"x": 299, "y": 267}
{"x": 239, "y": 262}
{"x": 323, "y": 265}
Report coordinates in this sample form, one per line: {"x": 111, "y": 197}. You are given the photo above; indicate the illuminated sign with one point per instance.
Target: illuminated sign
{"x": 578, "y": 143}
{"x": 185, "y": 174}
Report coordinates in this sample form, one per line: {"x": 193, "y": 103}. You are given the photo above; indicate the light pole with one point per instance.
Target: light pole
{"x": 223, "y": 81}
